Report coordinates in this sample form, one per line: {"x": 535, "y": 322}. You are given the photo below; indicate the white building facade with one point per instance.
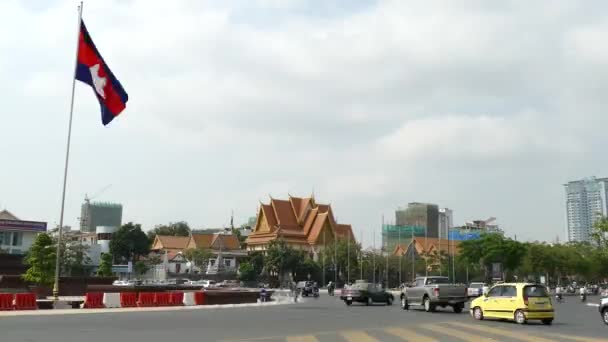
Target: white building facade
{"x": 17, "y": 236}
{"x": 585, "y": 204}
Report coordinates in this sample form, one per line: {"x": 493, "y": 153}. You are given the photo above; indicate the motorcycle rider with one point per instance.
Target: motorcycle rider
{"x": 583, "y": 291}
{"x": 330, "y": 288}
{"x": 558, "y": 293}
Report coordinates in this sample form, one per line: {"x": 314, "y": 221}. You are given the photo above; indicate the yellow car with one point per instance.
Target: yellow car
{"x": 515, "y": 301}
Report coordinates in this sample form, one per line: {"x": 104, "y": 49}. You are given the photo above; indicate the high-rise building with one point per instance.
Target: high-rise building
{"x": 423, "y": 215}
{"x": 446, "y": 221}
{"x": 94, "y": 214}
{"x": 585, "y": 204}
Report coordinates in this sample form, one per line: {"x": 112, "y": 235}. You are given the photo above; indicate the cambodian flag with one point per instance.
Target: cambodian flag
{"x": 93, "y": 70}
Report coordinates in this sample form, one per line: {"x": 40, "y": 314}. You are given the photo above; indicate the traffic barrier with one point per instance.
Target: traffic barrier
{"x": 146, "y": 299}
{"x": 93, "y": 300}
{"x": 162, "y": 299}
{"x": 6, "y": 301}
{"x": 128, "y": 299}
{"x": 200, "y": 298}
{"x": 111, "y": 300}
{"x": 177, "y": 298}
{"x": 25, "y": 301}
{"x": 189, "y": 299}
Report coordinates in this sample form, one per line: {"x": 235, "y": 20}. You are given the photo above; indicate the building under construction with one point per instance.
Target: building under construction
{"x": 94, "y": 214}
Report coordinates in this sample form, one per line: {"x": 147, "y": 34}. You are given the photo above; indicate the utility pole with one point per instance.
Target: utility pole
{"x": 361, "y": 255}
{"x": 426, "y": 250}
{"x": 413, "y": 249}
{"x": 400, "y": 254}
{"x": 323, "y": 256}
{"x": 348, "y": 260}
{"x": 374, "y": 256}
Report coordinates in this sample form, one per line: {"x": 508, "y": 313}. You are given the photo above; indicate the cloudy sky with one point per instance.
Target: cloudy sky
{"x": 484, "y": 107}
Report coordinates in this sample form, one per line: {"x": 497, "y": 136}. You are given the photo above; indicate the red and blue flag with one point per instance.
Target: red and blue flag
{"x": 93, "y": 70}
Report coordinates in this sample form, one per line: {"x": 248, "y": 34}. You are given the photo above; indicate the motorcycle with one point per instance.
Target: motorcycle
{"x": 583, "y": 297}
{"x": 330, "y": 291}
{"x": 559, "y": 298}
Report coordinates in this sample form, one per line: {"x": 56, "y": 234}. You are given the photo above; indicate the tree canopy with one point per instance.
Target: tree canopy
{"x": 198, "y": 256}
{"x": 41, "y": 261}
{"x": 105, "y": 265}
{"x": 129, "y": 243}
{"x": 180, "y": 228}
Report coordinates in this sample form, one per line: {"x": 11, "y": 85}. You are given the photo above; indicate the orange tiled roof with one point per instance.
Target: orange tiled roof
{"x": 300, "y": 220}
{"x": 170, "y": 242}
{"x": 345, "y": 231}
{"x": 212, "y": 241}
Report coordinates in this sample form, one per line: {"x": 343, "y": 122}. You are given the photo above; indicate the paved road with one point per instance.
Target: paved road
{"x": 323, "y": 319}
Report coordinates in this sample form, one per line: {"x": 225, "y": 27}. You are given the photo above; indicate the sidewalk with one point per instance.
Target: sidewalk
{"x": 52, "y": 312}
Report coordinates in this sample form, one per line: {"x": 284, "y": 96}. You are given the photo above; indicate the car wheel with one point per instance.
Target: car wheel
{"x": 389, "y": 301}
{"x": 547, "y": 321}
{"x": 349, "y": 302}
{"x": 428, "y": 307}
{"x": 478, "y": 314}
{"x": 520, "y": 317}
{"x": 605, "y": 315}
{"x": 404, "y": 304}
{"x": 458, "y": 308}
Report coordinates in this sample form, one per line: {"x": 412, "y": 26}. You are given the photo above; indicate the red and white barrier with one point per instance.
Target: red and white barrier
{"x": 93, "y": 300}
{"x": 7, "y": 301}
{"x": 189, "y": 299}
{"x": 25, "y": 301}
{"x": 111, "y": 300}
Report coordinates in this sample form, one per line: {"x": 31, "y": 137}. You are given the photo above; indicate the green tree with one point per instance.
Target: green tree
{"x": 129, "y": 243}
{"x": 140, "y": 268}
{"x": 281, "y": 259}
{"x": 198, "y": 256}
{"x": 600, "y": 234}
{"x": 247, "y": 272}
{"x": 341, "y": 257}
{"x": 41, "y": 261}
{"x": 256, "y": 259}
{"x": 180, "y": 228}
{"x": 75, "y": 260}
{"x": 493, "y": 248}
{"x": 105, "y": 265}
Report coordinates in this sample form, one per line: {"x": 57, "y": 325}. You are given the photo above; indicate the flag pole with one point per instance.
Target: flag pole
{"x": 67, "y": 159}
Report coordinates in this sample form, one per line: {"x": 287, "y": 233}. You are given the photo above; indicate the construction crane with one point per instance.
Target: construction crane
{"x": 87, "y": 203}
{"x": 87, "y": 199}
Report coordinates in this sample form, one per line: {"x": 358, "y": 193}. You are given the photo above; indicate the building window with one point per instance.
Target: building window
{"x": 17, "y": 239}
{"x": 212, "y": 262}
{"x": 227, "y": 263}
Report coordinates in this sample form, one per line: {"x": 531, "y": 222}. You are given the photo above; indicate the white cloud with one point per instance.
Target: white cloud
{"x": 374, "y": 104}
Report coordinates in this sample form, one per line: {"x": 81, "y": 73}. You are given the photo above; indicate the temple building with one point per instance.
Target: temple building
{"x": 300, "y": 222}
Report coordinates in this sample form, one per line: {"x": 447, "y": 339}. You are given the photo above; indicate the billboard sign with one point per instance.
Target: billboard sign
{"x": 23, "y": 225}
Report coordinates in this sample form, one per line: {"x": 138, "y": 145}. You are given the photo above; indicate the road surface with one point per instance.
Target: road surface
{"x": 323, "y": 319}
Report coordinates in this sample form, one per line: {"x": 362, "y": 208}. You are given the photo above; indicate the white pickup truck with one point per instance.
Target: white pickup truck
{"x": 431, "y": 292}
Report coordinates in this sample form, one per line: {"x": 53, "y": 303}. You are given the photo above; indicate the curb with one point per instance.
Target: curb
{"x": 60, "y": 312}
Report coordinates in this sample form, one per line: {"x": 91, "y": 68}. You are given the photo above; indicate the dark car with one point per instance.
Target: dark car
{"x": 604, "y": 309}
{"x": 307, "y": 288}
{"x": 366, "y": 293}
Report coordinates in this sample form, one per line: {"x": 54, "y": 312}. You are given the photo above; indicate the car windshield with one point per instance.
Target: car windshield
{"x": 535, "y": 291}
{"x": 433, "y": 281}
{"x": 360, "y": 286}
{"x": 476, "y": 285}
